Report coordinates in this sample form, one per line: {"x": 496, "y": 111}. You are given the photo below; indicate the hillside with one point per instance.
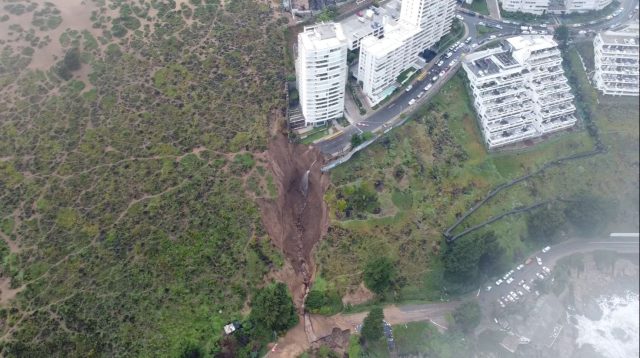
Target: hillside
{"x": 132, "y": 139}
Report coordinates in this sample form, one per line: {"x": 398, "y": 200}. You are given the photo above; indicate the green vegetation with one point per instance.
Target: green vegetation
{"x": 546, "y": 224}
{"x": 423, "y": 338}
{"x": 483, "y": 30}
{"x": 590, "y": 214}
{"x": 328, "y": 14}
{"x": 357, "y": 138}
{"x": 372, "y": 326}
{"x": 323, "y": 299}
{"x": 467, "y": 316}
{"x": 457, "y": 30}
{"x": 273, "y": 310}
{"x": 124, "y": 192}
{"x": 379, "y": 274}
{"x": 562, "y": 35}
{"x": 431, "y": 170}
{"x": 479, "y": 6}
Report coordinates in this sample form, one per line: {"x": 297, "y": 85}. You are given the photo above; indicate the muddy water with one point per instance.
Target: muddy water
{"x": 296, "y": 222}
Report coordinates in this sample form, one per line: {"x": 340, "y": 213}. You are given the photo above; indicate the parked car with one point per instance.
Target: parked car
{"x": 409, "y": 88}
{"x": 546, "y": 269}
{"x": 539, "y": 261}
{"x": 510, "y": 279}
{"x": 492, "y": 37}
{"x": 412, "y": 102}
{"x": 467, "y": 40}
{"x": 520, "y": 293}
{"x": 499, "y": 282}
{"x": 546, "y": 249}
{"x": 439, "y": 64}
{"x": 519, "y": 267}
{"x": 489, "y": 288}
{"x": 428, "y": 87}
{"x": 539, "y": 275}
{"x": 449, "y": 54}
{"x": 420, "y": 94}
{"x": 526, "y": 287}
{"x": 521, "y": 283}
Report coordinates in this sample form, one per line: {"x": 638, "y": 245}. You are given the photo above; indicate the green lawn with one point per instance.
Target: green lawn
{"x": 479, "y": 6}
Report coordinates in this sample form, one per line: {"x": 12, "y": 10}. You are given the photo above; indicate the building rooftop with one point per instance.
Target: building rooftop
{"x": 356, "y": 26}
{"x": 322, "y": 36}
{"x": 394, "y": 38}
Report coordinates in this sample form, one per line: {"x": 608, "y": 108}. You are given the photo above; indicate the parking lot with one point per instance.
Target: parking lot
{"x": 519, "y": 282}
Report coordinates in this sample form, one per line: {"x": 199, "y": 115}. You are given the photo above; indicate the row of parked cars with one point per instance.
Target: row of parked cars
{"x": 517, "y": 293}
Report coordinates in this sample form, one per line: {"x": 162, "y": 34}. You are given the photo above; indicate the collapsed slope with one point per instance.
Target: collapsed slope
{"x": 295, "y": 221}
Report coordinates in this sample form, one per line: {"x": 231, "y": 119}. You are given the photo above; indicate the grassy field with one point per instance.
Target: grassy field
{"x": 126, "y": 175}
{"x": 434, "y": 168}
{"x": 479, "y": 6}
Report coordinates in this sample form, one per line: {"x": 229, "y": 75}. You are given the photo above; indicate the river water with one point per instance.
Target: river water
{"x": 615, "y": 334}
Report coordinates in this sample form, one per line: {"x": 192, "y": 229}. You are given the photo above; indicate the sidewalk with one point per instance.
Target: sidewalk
{"x": 494, "y": 9}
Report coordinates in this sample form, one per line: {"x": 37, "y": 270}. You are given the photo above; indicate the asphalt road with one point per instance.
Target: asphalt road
{"x": 384, "y": 117}
{"x": 528, "y": 272}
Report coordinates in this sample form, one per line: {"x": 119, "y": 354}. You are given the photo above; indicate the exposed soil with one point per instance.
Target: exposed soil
{"x": 296, "y": 222}
{"x": 358, "y": 296}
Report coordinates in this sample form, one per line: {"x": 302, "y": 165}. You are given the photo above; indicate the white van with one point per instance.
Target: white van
{"x": 412, "y": 102}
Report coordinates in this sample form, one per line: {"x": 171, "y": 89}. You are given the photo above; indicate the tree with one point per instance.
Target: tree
{"x": 356, "y": 140}
{"x": 372, "y": 326}
{"x": 461, "y": 259}
{"x": 589, "y": 214}
{"x": 72, "y": 59}
{"x": 273, "y": 309}
{"x": 489, "y": 262}
{"x": 544, "y": 224}
{"x": 379, "y": 274}
{"x": 562, "y": 35}
{"x": 467, "y": 316}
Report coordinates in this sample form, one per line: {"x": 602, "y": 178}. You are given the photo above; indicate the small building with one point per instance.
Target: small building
{"x": 616, "y": 61}
{"x": 519, "y": 90}
{"x": 230, "y": 328}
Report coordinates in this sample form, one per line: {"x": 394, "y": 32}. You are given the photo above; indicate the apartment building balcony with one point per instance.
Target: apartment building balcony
{"x": 619, "y": 70}
{"x": 557, "y": 110}
{"x": 501, "y": 91}
{"x": 620, "y": 53}
{"x": 501, "y": 138}
{"x": 553, "y": 89}
{"x": 612, "y": 61}
{"x": 545, "y": 53}
{"x": 554, "y": 99}
{"x": 545, "y": 62}
{"x": 557, "y": 123}
{"x": 549, "y": 81}
{"x": 501, "y": 101}
{"x": 630, "y": 79}
{"x": 508, "y": 123}
{"x": 506, "y": 111}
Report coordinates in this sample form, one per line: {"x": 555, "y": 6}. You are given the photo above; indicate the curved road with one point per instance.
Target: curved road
{"x": 389, "y": 114}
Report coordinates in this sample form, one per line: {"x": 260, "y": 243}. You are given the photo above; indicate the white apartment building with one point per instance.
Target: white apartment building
{"x": 519, "y": 90}
{"x": 536, "y": 7}
{"x": 540, "y": 7}
{"x": 420, "y": 25}
{"x": 321, "y": 69}
{"x": 572, "y": 6}
{"x": 616, "y": 61}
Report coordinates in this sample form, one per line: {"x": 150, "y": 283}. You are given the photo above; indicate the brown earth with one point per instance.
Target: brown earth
{"x": 296, "y": 222}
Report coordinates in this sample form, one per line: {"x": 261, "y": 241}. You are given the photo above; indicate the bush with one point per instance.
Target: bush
{"x": 273, "y": 309}
{"x": 379, "y": 274}
{"x": 589, "y": 214}
{"x": 467, "y": 316}
{"x": 372, "y": 326}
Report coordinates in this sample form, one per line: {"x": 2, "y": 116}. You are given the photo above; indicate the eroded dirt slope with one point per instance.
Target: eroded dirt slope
{"x": 295, "y": 221}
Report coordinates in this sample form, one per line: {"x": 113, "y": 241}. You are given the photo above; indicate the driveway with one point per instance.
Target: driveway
{"x": 494, "y": 9}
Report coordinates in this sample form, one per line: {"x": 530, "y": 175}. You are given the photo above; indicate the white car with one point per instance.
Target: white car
{"x": 453, "y": 63}
{"x": 506, "y": 276}
{"x": 499, "y": 282}
{"x": 510, "y": 298}
{"x": 492, "y": 37}
{"x": 526, "y": 287}
{"x": 510, "y": 279}
{"x": 420, "y": 94}
{"x": 409, "y": 88}
{"x": 520, "y": 293}
{"x": 412, "y": 102}
{"x": 546, "y": 249}
{"x": 511, "y": 272}
{"x": 546, "y": 269}
{"x": 489, "y": 288}
{"x": 439, "y": 64}
{"x": 520, "y": 267}
{"x": 521, "y": 283}
{"x": 539, "y": 275}
{"x": 539, "y": 261}
{"x": 428, "y": 87}
{"x": 435, "y": 78}
{"x": 502, "y": 305}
